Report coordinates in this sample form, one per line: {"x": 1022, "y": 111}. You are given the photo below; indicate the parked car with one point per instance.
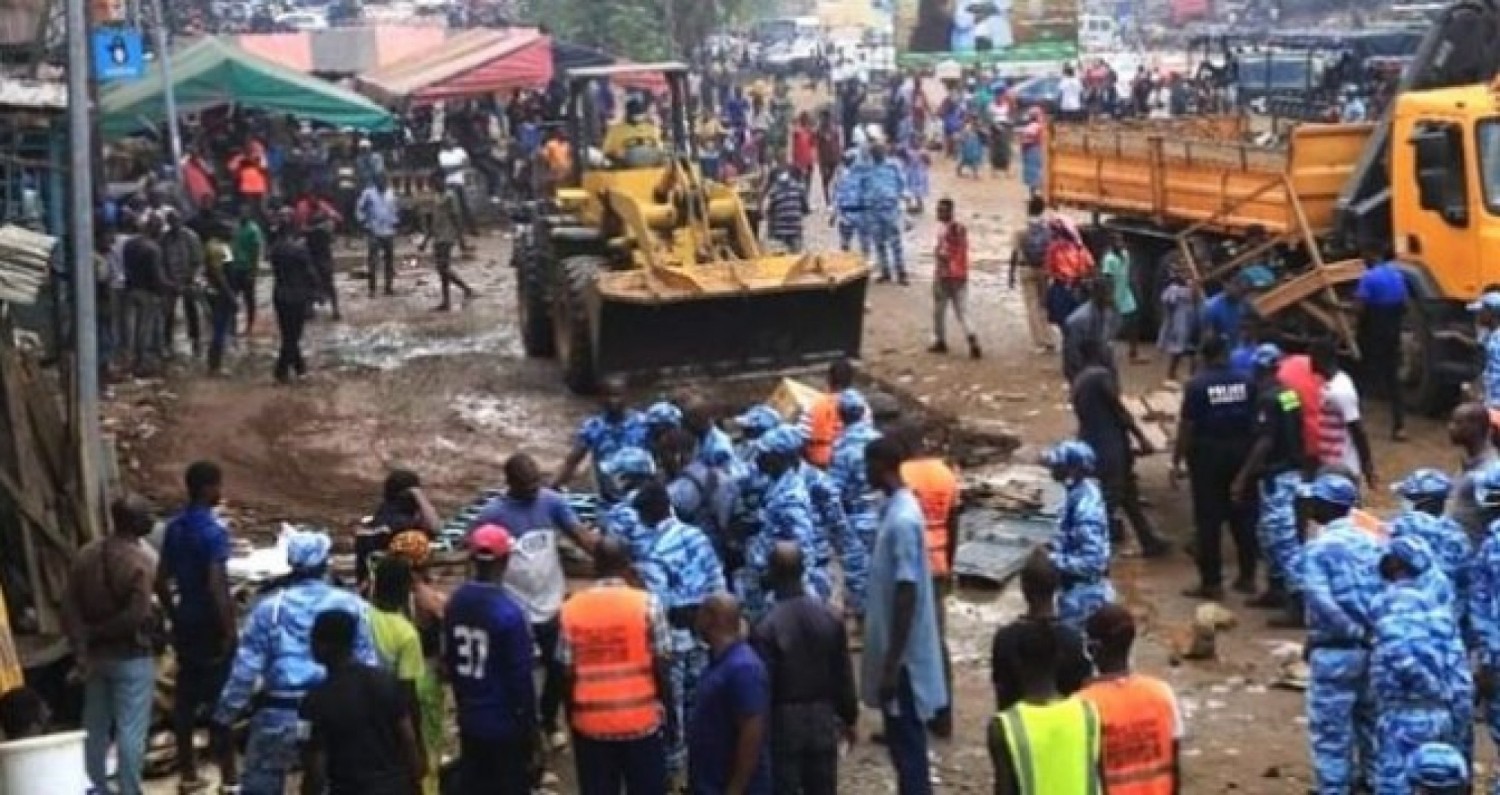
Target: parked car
{"x": 1038, "y": 92}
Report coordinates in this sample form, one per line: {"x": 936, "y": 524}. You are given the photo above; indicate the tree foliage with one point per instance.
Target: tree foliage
{"x": 642, "y": 30}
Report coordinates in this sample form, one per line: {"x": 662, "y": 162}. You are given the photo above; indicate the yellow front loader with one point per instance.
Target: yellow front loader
{"x": 639, "y": 267}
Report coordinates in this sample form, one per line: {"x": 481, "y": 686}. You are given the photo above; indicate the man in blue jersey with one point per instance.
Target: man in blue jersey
{"x": 487, "y": 658}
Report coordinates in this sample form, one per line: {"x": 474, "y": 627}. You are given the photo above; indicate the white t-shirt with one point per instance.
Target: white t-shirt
{"x": 1070, "y": 94}
{"x": 1340, "y": 406}
{"x": 453, "y": 161}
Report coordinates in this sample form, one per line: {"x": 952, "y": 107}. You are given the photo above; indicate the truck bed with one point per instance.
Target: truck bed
{"x": 1177, "y": 178}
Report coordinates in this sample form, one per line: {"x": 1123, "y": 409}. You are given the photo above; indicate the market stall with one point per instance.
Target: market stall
{"x": 472, "y": 64}
{"x": 213, "y": 72}
{"x": 344, "y": 51}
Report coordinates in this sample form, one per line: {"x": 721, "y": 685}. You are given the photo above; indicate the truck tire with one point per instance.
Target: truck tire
{"x": 573, "y": 330}
{"x": 1423, "y": 387}
{"x": 533, "y": 307}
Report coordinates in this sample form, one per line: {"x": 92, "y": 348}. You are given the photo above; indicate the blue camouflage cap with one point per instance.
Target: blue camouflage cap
{"x": 1070, "y": 454}
{"x": 629, "y": 462}
{"x": 1334, "y": 489}
{"x": 662, "y": 414}
{"x": 307, "y": 549}
{"x": 759, "y": 418}
{"x": 1408, "y": 547}
{"x": 1489, "y": 302}
{"x": 850, "y": 400}
{"x": 1437, "y": 766}
{"x": 1487, "y": 486}
{"x": 781, "y": 440}
{"x": 1266, "y": 356}
{"x": 1423, "y": 483}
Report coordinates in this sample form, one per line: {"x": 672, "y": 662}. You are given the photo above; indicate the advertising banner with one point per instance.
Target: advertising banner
{"x": 986, "y": 31}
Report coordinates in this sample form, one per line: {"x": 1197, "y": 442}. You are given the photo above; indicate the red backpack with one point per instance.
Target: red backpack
{"x": 1068, "y": 261}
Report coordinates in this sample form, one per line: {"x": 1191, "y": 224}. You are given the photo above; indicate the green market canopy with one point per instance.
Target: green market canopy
{"x": 213, "y": 72}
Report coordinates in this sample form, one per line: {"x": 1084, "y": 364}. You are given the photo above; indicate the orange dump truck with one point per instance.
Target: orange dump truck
{"x": 1421, "y": 184}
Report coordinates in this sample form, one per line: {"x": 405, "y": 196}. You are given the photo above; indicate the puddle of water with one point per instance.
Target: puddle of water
{"x": 528, "y": 419}
{"x": 391, "y": 345}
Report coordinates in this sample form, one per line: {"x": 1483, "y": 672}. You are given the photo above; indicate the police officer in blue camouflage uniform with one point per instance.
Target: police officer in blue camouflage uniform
{"x": 680, "y": 567}
{"x": 832, "y": 526}
{"x": 1273, "y": 473}
{"x": 274, "y": 667}
{"x": 659, "y": 418}
{"x": 1425, "y": 492}
{"x": 883, "y": 187}
{"x": 755, "y": 422}
{"x": 627, "y": 471}
{"x": 614, "y": 428}
{"x": 1428, "y": 570}
{"x": 715, "y": 448}
{"x": 1415, "y": 645}
{"x": 848, "y": 198}
{"x": 1437, "y": 769}
{"x": 861, "y": 501}
{"x": 1339, "y": 574}
{"x": 785, "y": 515}
{"x": 1487, "y": 318}
{"x": 1080, "y": 548}
{"x": 1484, "y": 604}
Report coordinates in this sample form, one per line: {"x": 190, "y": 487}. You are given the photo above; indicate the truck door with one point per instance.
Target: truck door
{"x": 1436, "y": 206}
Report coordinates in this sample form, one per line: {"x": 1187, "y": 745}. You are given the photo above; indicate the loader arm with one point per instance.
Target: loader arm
{"x": 1461, "y": 48}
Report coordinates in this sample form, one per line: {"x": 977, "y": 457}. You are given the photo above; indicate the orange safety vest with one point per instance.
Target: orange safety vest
{"x": 1139, "y": 722}
{"x": 824, "y": 427}
{"x": 936, "y": 488}
{"x": 614, "y": 682}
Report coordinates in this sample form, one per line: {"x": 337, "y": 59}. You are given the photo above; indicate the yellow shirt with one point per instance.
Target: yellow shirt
{"x": 624, "y": 135}
{"x": 397, "y": 644}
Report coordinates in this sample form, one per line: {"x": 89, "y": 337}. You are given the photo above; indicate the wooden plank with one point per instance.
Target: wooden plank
{"x": 49, "y": 620}
{"x": 1156, "y": 436}
{"x": 49, "y": 429}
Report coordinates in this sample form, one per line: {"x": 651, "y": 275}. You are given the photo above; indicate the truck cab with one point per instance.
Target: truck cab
{"x": 1445, "y": 187}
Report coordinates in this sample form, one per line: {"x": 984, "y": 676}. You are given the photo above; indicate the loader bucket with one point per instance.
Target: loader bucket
{"x": 729, "y": 318}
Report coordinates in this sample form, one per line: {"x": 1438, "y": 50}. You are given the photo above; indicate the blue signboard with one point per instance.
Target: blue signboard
{"x": 118, "y": 54}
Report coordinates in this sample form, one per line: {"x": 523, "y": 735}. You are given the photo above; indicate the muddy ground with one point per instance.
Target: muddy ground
{"x": 451, "y": 395}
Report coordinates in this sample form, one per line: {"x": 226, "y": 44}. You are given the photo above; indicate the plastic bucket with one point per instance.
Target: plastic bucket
{"x": 48, "y": 765}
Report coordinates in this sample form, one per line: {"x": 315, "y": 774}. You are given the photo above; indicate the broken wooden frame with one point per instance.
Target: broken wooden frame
{"x": 1305, "y": 290}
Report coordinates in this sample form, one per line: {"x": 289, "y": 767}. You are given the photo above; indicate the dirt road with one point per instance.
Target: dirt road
{"x": 450, "y": 395}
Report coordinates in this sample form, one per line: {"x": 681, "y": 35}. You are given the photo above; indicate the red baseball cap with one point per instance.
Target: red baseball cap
{"x": 490, "y": 541}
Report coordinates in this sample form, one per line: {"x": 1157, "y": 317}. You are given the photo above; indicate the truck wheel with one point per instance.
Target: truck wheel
{"x": 1423, "y": 387}
{"x": 572, "y": 330}
{"x": 533, "y": 310}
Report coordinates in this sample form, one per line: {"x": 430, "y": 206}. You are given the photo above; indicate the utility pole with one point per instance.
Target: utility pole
{"x": 164, "y": 57}
{"x": 81, "y": 232}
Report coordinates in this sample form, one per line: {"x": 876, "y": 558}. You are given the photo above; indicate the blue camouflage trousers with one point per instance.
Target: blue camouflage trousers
{"x": 1462, "y": 708}
{"x": 1076, "y": 603}
{"x": 1277, "y": 529}
{"x": 270, "y": 752}
{"x": 1401, "y": 731}
{"x": 885, "y": 235}
{"x": 1340, "y": 719}
{"x": 852, "y": 227}
{"x": 688, "y": 662}
{"x": 854, "y": 557}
